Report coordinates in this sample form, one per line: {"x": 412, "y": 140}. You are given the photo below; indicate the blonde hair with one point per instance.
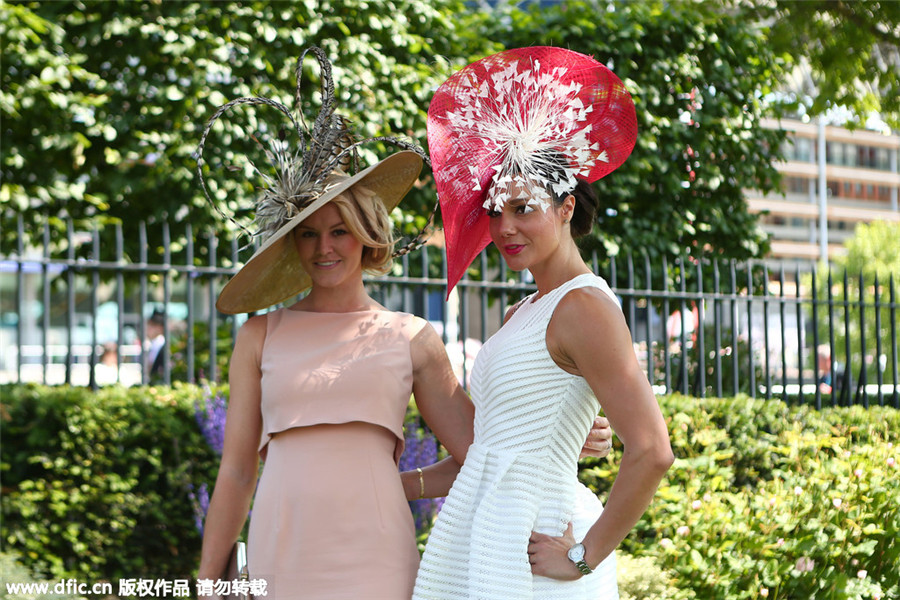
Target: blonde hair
{"x": 368, "y": 220}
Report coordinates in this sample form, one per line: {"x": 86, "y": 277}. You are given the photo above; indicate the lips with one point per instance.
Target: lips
{"x": 513, "y": 248}
{"x": 326, "y": 264}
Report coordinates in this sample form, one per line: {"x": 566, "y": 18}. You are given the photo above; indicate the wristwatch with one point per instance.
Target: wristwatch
{"x": 576, "y": 555}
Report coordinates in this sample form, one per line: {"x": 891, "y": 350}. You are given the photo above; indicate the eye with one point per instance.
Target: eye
{"x": 492, "y": 213}
{"x": 524, "y": 209}
{"x": 337, "y": 232}
{"x": 307, "y": 234}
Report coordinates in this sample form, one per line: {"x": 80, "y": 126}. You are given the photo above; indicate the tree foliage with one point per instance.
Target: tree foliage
{"x": 874, "y": 251}
{"x": 861, "y": 306}
{"x": 696, "y": 74}
{"x": 102, "y": 104}
{"x": 850, "y": 52}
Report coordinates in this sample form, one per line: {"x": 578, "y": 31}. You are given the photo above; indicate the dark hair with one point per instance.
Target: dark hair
{"x": 585, "y": 213}
{"x": 586, "y": 201}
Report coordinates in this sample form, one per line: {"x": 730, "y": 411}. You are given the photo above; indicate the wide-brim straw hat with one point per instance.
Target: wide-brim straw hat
{"x": 274, "y": 273}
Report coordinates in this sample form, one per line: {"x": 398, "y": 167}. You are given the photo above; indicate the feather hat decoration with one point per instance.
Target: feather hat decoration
{"x": 507, "y": 118}
{"x": 306, "y": 168}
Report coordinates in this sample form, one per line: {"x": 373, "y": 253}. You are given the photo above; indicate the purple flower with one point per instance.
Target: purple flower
{"x": 211, "y": 419}
{"x": 200, "y": 504}
{"x": 421, "y": 451}
{"x": 210, "y": 416}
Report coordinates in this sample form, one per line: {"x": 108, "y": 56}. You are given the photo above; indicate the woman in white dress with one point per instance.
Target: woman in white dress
{"x": 515, "y": 140}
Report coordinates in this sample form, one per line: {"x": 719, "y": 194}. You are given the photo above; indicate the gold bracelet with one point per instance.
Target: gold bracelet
{"x": 421, "y": 483}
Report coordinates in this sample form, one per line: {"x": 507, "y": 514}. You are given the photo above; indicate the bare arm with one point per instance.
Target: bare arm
{"x": 441, "y": 400}
{"x": 604, "y": 356}
{"x": 436, "y": 479}
{"x": 239, "y": 466}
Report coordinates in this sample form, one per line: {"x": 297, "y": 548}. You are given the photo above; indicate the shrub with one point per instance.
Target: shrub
{"x": 765, "y": 496}
{"x": 225, "y": 333}
{"x": 421, "y": 449}
{"x": 641, "y": 578}
{"x": 797, "y": 502}
{"x": 12, "y": 572}
{"x": 96, "y": 484}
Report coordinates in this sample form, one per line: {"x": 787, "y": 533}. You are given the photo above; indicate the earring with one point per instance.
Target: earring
{"x": 566, "y": 221}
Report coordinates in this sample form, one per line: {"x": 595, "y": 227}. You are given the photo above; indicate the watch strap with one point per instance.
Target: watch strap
{"x": 583, "y": 567}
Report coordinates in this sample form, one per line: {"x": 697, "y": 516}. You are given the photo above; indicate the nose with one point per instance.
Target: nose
{"x": 323, "y": 244}
{"x": 505, "y": 225}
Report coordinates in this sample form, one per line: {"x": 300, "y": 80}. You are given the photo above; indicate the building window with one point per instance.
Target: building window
{"x": 799, "y": 149}
{"x": 796, "y": 185}
{"x": 834, "y": 189}
{"x": 839, "y": 226}
{"x": 854, "y": 155}
{"x": 863, "y": 156}
{"x": 882, "y": 159}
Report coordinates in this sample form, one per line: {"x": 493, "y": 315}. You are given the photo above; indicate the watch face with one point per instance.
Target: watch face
{"x": 576, "y": 553}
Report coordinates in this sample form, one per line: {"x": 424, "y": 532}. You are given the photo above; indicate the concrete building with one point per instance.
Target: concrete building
{"x": 833, "y": 179}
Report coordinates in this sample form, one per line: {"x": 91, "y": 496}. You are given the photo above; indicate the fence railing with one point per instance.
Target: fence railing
{"x": 700, "y": 327}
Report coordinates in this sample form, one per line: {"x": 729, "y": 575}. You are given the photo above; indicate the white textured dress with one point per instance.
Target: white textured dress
{"x": 521, "y": 472}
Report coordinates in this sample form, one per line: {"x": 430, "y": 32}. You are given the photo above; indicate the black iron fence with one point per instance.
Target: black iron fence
{"x": 79, "y": 312}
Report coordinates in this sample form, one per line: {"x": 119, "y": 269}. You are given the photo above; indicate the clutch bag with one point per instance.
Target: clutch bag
{"x": 237, "y": 570}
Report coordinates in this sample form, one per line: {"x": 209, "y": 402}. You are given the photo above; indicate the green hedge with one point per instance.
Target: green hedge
{"x": 96, "y": 484}
{"x": 13, "y": 573}
{"x": 766, "y": 500}
{"x": 797, "y": 502}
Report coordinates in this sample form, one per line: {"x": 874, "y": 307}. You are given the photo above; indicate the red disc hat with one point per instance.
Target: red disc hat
{"x": 493, "y": 121}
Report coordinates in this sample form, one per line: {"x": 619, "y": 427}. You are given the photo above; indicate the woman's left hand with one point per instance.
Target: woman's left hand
{"x": 549, "y": 557}
{"x": 599, "y": 439}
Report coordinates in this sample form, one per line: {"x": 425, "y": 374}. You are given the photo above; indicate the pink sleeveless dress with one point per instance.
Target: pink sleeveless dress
{"x": 330, "y": 518}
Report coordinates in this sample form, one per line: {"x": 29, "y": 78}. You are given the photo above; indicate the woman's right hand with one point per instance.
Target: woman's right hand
{"x": 599, "y": 439}
{"x": 435, "y": 482}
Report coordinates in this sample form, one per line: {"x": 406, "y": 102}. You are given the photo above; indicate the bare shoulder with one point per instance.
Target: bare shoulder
{"x": 587, "y": 305}
{"x": 253, "y": 328}
{"x": 587, "y": 326}
{"x": 425, "y": 341}
{"x": 430, "y": 363}
{"x": 250, "y": 339}
{"x": 418, "y": 324}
